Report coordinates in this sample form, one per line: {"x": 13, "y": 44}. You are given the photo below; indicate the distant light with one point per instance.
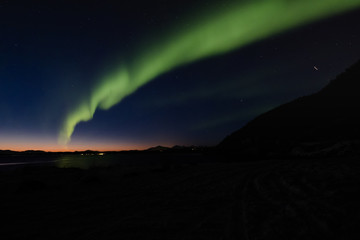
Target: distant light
{"x": 101, "y": 154}
{"x": 316, "y": 68}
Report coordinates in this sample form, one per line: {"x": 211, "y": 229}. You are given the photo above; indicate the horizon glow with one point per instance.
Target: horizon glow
{"x": 210, "y": 35}
{"x": 48, "y": 144}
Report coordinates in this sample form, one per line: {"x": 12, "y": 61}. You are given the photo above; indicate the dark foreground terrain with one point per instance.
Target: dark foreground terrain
{"x": 274, "y": 199}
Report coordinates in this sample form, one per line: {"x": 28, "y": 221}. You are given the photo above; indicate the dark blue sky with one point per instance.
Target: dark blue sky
{"x": 52, "y": 52}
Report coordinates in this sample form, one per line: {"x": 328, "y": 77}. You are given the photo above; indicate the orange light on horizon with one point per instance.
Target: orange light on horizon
{"x": 25, "y": 142}
{"x": 69, "y": 149}
{"x": 52, "y": 146}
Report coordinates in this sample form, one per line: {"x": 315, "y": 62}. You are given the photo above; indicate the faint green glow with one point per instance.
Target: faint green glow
{"x": 229, "y": 28}
{"x": 225, "y": 119}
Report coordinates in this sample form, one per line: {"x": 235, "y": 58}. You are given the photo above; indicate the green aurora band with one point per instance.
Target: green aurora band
{"x": 243, "y": 23}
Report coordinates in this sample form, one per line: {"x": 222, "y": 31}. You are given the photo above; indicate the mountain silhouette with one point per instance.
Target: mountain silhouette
{"x": 324, "y": 123}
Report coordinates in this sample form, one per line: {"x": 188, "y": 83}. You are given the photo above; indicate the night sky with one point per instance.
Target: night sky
{"x": 114, "y": 75}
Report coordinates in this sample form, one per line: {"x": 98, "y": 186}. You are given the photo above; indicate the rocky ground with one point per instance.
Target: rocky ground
{"x": 275, "y": 199}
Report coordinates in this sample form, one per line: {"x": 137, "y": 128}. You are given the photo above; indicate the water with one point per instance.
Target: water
{"x": 86, "y": 161}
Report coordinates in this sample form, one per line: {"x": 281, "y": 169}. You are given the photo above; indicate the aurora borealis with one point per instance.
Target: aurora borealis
{"x": 166, "y": 73}
{"x": 234, "y": 27}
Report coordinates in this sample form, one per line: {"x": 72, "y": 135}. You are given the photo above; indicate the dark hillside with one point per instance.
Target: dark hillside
{"x": 320, "y": 124}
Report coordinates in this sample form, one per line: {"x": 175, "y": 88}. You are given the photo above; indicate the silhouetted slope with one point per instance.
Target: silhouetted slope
{"x": 315, "y": 123}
